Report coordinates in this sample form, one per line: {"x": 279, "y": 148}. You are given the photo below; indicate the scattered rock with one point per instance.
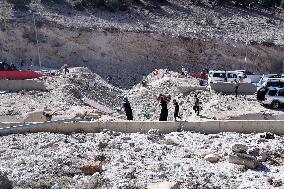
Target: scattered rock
{"x": 268, "y": 136}
{"x": 92, "y": 167}
{"x": 55, "y": 186}
{"x": 239, "y": 148}
{"x": 126, "y": 138}
{"x": 212, "y": 158}
{"x": 164, "y": 185}
{"x": 100, "y": 157}
{"x": 263, "y": 157}
{"x": 243, "y": 168}
{"x": 138, "y": 149}
{"x": 243, "y": 159}
{"x": 5, "y": 183}
{"x": 102, "y": 145}
{"x": 274, "y": 183}
{"x": 254, "y": 152}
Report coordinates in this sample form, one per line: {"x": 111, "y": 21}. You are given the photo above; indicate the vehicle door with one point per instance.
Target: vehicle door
{"x": 232, "y": 77}
{"x": 281, "y": 95}
{"x": 272, "y": 95}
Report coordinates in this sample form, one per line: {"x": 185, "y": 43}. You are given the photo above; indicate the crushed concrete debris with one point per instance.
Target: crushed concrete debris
{"x": 45, "y": 159}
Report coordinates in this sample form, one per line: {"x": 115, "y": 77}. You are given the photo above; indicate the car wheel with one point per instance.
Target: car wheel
{"x": 275, "y": 104}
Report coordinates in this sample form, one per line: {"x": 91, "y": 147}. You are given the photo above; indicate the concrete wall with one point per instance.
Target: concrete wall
{"x": 17, "y": 85}
{"x": 209, "y": 127}
{"x": 188, "y": 89}
{"x": 229, "y": 88}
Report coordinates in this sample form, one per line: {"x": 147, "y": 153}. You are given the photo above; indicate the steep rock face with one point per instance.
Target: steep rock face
{"x": 127, "y": 55}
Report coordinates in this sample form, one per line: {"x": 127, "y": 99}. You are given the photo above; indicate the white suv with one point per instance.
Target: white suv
{"x": 274, "y": 98}
{"x": 228, "y": 76}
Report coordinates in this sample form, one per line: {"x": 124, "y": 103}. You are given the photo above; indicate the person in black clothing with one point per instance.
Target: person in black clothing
{"x": 164, "y": 104}
{"x": 196, "y": 106}
{"x": 13, "y": 67}
{"x": 176, "y": 113}
{"x": 7, "y": 67}
{"x": 164, "y": 110}
{"x": 109, "y": 79}
{"x": 1, "y": 66}
{"x": 127, "y": 108}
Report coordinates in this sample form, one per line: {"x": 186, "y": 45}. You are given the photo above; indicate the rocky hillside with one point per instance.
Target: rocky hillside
{"x": 126, "y": 44}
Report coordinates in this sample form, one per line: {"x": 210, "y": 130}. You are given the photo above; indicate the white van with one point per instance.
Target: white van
{"x": 226, "y": 76}
{"x": 254, "y": 77}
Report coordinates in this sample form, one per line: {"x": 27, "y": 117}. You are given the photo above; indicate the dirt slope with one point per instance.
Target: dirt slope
{"x": 126, "y": 44}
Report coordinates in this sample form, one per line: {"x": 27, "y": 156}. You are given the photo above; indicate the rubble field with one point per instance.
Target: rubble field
{"x": 65, "y": 94}
{"x": 117, "y": 160}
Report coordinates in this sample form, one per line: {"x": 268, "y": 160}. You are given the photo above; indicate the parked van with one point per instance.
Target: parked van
{"x": 226, "y": 76}
{"x": 254, "y": 77}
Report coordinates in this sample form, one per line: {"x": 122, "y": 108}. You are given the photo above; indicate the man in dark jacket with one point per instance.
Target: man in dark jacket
{"x": 197, "y": 103}
{"x": 176, "y": 112}
{"x": 127, "y": 108}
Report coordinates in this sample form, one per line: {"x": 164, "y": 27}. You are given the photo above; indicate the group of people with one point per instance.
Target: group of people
{"x": 164, "y": 101}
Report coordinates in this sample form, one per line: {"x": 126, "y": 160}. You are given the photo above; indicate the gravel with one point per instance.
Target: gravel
{"x": 43, "y": 160}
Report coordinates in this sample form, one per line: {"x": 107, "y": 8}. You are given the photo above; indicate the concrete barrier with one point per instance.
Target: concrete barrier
{"x": 188, "y": 89}
{"x": 229, "y": 88}
{"x": 17, "y": 85}
{"x": 208, "y": 127}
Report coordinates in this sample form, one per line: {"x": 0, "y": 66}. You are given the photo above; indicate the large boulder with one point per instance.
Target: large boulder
{"x": 5, "y": 183}
{"x": 164, "y": 185}
{"x": 243, "y": 159}
{"x": 239, "y": 148}
{"x": 36, "y": 116}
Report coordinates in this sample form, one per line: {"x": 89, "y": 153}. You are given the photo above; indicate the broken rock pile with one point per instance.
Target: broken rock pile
{"x": 239, "y": 156}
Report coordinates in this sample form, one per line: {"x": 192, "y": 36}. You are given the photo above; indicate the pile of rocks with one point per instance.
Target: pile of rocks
{"x": 241, "y": 157}
{"x": 143, "y": 99}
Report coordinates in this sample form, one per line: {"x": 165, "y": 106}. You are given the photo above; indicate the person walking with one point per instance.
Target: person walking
{"x": 176, "y": 112}
{"x": 22, "y": 63}
{"x": 164, "y": 104}
{"x": 196, "y": 106}
{"x": 226, "y": 76}
{"x": 183, "y": 71}
{"x": 237, "y": 84}
{"x": 65, "y": 69}
{"x": 109, "y": 79}
{"x": 127, "y": 108}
